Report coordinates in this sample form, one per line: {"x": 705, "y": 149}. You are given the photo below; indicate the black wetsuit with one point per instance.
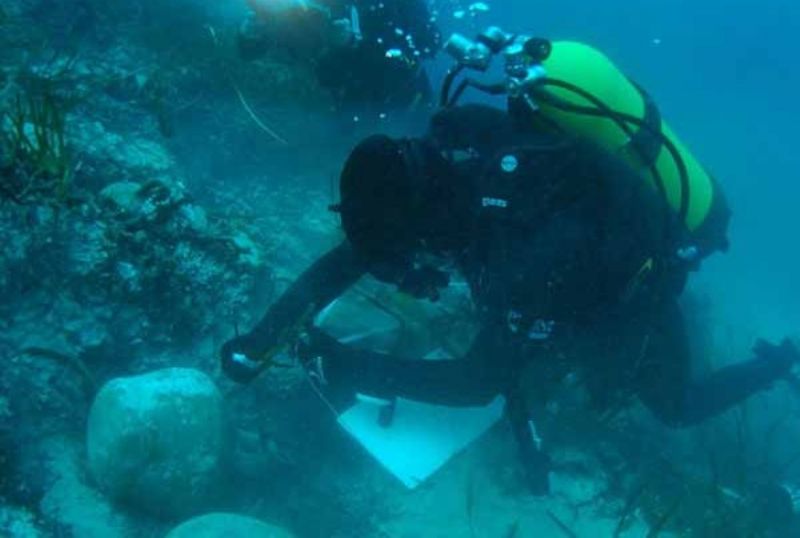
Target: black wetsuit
{"x": 569, "y": 258}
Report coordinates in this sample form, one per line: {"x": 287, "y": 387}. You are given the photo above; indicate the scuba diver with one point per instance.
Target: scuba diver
{"x": 367, "y": 54}
{"x": 575, "y": 216}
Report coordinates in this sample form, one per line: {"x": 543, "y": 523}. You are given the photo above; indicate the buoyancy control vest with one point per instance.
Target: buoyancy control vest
{"x": 575, "y": 88}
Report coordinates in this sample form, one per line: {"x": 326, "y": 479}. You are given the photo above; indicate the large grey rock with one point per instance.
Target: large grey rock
{"x": 224, "y": 525}
{"x": 155, "y": 440}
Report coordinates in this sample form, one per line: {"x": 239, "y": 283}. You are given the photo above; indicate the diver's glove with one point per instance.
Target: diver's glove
{"x": 238, "y": 359}
{"x": 424, "y": 282}
{"x": 327, "y": 364}
{"x": 778, "y": 360}
{"x": 314, "y": 343}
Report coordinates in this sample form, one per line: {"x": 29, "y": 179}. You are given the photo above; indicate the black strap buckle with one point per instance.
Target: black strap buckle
{"x": 646, "y": 143}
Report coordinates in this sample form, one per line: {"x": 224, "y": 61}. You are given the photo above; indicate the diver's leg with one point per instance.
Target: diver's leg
{"x": 665, "y": 385}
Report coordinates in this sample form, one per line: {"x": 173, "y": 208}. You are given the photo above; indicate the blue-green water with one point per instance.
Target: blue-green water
{"x": 193, "y": 186}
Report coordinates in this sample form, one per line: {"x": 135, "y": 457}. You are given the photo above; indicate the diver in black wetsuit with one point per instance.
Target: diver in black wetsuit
{"x": 569, "y": 259}
{"x": 368, "y": 54}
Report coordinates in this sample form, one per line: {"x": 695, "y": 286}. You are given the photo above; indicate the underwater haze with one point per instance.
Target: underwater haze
{"x": 170, "y": 168}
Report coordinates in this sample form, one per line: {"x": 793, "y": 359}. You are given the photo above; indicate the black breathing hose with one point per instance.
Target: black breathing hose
{"x": 600, "y": 109}
{"x": 621, "y": 120}
{"x": 490, "y": 89}
{"x": 444, "y": 97}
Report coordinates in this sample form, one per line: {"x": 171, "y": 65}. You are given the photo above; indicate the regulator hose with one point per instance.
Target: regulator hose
{"x": 622, "y": 120}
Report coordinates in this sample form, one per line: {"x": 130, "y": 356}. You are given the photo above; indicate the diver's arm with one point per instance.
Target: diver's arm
{"x": 489, "y": 369}
{"x": 731, "y": 385}
{"x": 472, "y": 380}
{"x": 320, "y": 284}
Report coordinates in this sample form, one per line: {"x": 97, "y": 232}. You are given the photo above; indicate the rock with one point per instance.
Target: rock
{"x": 194, "y": 217}
{"x": 126, "y": 155}
{"x": 155, "y": 440}
{"x": 18, "y": 523}
{"x": 250, "y": 253}
{"x": 122, "y": 195}
{"x": 71, "y": 505}
{"x": 82, "y": 511}
{"x": 582, "y": 480}
{"x": 223, "y": 525}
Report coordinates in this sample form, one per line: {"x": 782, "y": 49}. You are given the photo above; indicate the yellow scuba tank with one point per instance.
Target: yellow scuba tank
{"x": 576, "y": 89}
{"x": 584, "y": 93}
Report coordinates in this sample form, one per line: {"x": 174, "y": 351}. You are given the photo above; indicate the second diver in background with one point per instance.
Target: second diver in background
{"x": 368, "y": 55}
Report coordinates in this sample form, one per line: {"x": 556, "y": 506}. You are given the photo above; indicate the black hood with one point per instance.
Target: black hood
{"x": 400, "y": 197}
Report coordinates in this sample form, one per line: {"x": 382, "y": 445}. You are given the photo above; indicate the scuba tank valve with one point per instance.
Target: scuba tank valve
{"x": 522, "y": 63}
{"x": 477, "y": 54}
{"x": 468, "y": 53}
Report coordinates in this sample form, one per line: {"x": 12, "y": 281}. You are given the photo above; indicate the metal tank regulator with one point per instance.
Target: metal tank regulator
{"x": 522, "y": 58}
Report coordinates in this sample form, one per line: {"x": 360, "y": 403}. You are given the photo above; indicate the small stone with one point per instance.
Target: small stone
{"x": 122, "y": 195}
{"x": 195, "y": 217}
{"x": 249, "y": 252}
